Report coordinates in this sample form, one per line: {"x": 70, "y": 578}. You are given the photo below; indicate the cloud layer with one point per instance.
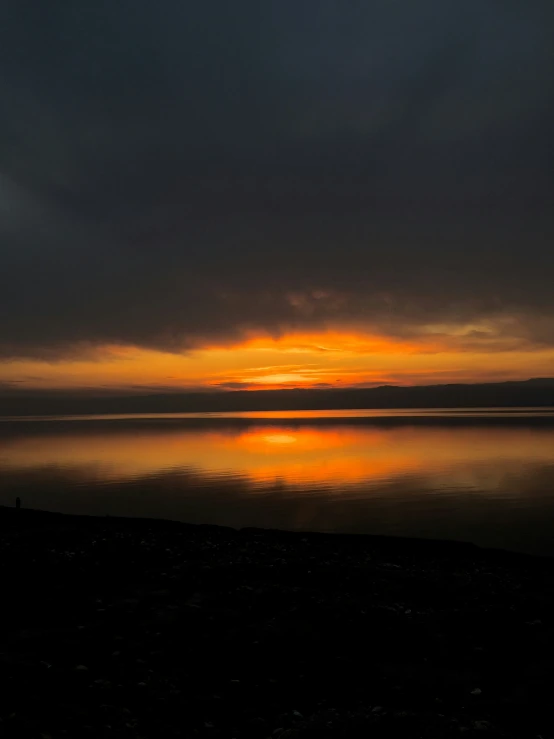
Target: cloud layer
{"x": 176, "y": 174}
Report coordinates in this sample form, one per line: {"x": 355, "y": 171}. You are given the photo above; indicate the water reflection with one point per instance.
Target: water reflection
{"x": 488, "y": 482}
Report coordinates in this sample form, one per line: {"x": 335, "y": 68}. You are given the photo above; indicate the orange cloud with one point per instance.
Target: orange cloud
{"x": 342, "y": 343}
{"x": 328, "y": 358}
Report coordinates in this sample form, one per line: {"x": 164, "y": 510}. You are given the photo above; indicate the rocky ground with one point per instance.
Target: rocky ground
{"x": 130, "y": 628}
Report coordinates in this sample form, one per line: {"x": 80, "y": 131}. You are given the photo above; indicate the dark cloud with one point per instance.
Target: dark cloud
{"x": 176, "y": 173}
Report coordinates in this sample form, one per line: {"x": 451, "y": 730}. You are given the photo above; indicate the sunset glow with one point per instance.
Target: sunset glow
{"x": 293, "y": 360}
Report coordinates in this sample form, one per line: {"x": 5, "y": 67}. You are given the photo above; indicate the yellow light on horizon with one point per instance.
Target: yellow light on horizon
{"x": 279, "y": 378}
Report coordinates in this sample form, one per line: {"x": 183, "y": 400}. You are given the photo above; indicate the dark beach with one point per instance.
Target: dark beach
{"x": 141, "y": 628}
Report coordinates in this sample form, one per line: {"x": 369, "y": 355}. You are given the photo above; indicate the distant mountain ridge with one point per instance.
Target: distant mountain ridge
{"x": 536, "y": 392}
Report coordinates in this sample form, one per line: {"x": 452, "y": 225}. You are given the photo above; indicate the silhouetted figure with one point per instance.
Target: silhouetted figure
{"x": 18, "y": 503}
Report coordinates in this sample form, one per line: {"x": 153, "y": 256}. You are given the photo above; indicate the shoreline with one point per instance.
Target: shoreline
{"x": 14, "y": 520}
{"x": 129, "y": 627}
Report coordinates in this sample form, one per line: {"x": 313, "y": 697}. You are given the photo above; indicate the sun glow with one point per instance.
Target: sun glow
{"x": 326, "y": 359}
{"x": 280, "y": 439}
{"x": 283, "y": 378}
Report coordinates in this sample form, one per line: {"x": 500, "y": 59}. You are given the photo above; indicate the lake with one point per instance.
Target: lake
{"x": 485, "y": 476}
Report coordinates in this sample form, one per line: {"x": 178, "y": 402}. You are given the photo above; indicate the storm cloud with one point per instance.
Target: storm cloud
{"x": 176, "y": 174}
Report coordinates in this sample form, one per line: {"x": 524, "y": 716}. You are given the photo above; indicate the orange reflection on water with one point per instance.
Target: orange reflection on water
{"x": 295, "y": 456}
{"x": 260, "y": 453}
{"x": 317, "y": 455}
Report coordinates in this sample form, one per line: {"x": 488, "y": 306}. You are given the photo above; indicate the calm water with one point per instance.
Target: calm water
{"x": 482, "y": 476}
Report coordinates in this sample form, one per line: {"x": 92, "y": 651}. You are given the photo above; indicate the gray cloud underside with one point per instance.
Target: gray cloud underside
{"x": 174, "y": 173}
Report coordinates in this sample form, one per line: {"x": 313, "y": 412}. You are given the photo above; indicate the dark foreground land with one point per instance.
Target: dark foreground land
{"x": 130, "y": 628}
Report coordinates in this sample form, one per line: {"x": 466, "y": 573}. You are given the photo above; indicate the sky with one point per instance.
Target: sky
{"x": 310, "y": 193}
